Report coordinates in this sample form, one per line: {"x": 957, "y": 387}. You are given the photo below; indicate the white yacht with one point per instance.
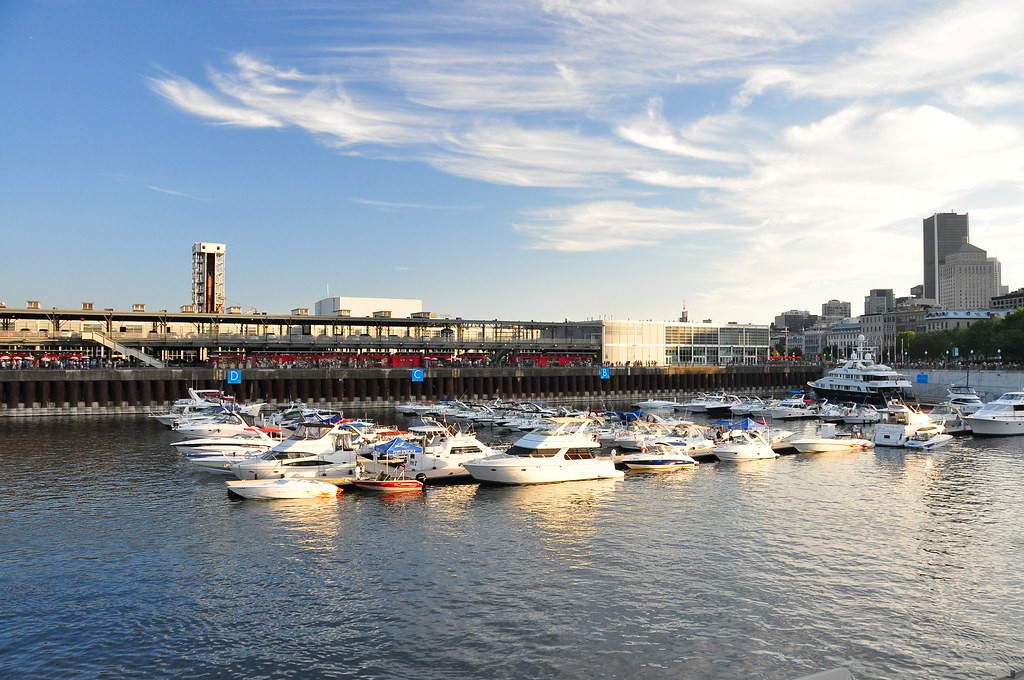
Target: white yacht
{"x": 561, "y": 450}
{"x": 862, "y": 380}
{"x": 900, "y": 423}
{"x": 745, "y": 445}
{"x": 829, "y": 439}
{"x": 793, "y": 407}
{"x": 436, "y": 453}
{"x": 1004, "y": 416}
{"x": 314, "y": 449}
{"x": 965, "y": 398}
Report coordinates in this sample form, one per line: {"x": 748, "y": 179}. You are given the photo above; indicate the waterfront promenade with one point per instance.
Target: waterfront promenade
{"x": 100, "y": 391}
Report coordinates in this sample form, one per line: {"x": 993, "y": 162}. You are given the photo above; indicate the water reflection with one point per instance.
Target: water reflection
{"x": 564, "y": 515}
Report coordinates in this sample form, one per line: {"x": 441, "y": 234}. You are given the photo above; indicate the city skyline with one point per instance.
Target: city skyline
{"x": 538, "y": 161}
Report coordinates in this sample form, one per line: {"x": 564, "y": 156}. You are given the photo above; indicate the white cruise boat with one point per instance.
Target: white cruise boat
{"x": 861, "y": 380}
{"x": 561, "y": 450}
{"x": 965, "y": 398}
{"x": 793, "y": 407}
{"x": 437, "y": 454}
{"x": 1004, "y": 416}
{"x": 314, "y": 449}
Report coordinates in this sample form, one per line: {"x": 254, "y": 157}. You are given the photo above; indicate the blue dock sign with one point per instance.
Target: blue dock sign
{"x": 606, "y": 373}
{"x": 234, "y": 376}
{"x": 417, "y": 375}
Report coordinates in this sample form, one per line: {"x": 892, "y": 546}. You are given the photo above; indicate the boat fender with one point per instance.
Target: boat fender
{"x": 421, "y": 478}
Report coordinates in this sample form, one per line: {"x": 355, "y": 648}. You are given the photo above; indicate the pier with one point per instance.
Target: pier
{"x": 104, "y": 391}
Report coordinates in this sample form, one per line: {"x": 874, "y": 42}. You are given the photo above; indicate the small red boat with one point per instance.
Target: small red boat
{"x": 385, "y": 483}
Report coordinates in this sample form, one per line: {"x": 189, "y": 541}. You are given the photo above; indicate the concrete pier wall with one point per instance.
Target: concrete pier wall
{"x": 26, "y": 393}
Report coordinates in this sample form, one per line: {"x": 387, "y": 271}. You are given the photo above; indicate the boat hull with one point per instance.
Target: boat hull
{"x": 827, "y": 445}
{"x": 274, "y": 489}
{"x": 539, "y": 471}
{"x": 995, "y": 427}
{"x": 388, "y": 485}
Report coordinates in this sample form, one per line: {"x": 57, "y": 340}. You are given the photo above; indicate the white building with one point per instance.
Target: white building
{"x": 397, "y": 308}
{"x": 208, "y": 293}
{"x": 969, "y": 279}
{"x": 671, "y": 343}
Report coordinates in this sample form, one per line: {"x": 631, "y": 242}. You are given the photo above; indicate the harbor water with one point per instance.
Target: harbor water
{"x": 118, "y": 560}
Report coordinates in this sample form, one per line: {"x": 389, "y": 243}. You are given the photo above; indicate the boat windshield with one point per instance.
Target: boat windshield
{"x": 307, "y": 431}
{"x": 524, "y": 452}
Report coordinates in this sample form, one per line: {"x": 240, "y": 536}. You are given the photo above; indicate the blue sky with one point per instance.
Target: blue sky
{"x": 529, "y": 160}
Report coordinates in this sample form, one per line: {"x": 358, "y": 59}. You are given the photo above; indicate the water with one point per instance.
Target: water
{"x": 119, "y": 560}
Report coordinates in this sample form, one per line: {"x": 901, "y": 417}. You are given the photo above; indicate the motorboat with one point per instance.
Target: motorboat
{"x": 561, "y": 450}
{"x": 314, "y": 449}
{"x": 1001, "y": 417}
{"x": 721, "y": 404}
{"x": 862, "y": 414}
{"x": 928, "y": 438}
{"x": 659, "y": 457}
{"x": 793, "y": 407}
{"x": 951, "y": 418}
{"x": 385, "y": 483}
{"x": 860, "y": 379}
{"x": 266, "y": 489}
{"x": 656, "y": 405}
{"x": 829, "y": 439}
{"x": 218, "y": 454}
{"x": 430, "y": 451}
{"x": 225, "y": 424}
{"x": 197, "y": 401}
{"x": 965, "y": 398}
{"x": 899, "y": 424}
{"x": 746, "y": 406}
{"x": 745, "y": 445}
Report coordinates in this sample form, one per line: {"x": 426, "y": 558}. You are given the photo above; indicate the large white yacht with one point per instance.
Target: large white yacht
{"x": 1004, "y": 416}
{"x": 314, "y": 449}
{"x": 860, "y": 379}
{"x": 560, "y": 450}
{"x": 437, "y": 453}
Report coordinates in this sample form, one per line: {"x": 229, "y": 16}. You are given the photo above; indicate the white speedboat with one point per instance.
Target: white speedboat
{"x": 745, "y": 445}
{"x": 561, "y": 450}
{"x": 218, "y": 454}
{"x": 659, "y": 457}
{"x": 1002, "y": 417}
{"x": 434, "y": 453}
{"x": 267, "y": 489}
{"x": 862, "y": 380}
{"x": 862, "y": 414}
{"x": 793, "y": 407}
{"x": 928, "y": 438}
{"x": 829, "y": 440}
{"x": 314, "y": 449}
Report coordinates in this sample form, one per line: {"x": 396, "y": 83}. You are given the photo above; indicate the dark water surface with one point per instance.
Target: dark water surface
{"x": 119, "y": 560}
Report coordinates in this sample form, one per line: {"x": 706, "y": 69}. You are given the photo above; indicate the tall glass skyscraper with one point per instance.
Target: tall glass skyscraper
{"x": 944, "y": 233}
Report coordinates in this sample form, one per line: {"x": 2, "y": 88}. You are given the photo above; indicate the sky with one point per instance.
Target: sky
{"x": 545, "y": 160}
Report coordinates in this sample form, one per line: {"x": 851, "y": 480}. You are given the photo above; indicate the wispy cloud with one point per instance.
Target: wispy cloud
{"x": 174, "y": 192}
{"x": 785, "y": 127}
{"x": 409, "y": 206}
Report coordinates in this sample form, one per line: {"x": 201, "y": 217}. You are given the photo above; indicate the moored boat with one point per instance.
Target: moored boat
{"x": 561, "y": 450}
{"x": 294, "y": 488}
{"x": 1001, "y": 417}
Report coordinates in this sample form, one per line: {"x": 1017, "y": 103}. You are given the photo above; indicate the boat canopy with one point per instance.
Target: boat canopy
{"x": 396, "y": 446}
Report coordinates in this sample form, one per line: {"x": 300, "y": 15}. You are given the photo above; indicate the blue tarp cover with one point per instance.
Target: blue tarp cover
{"x": 397, "y": 445}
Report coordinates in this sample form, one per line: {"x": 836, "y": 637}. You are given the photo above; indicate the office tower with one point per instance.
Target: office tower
{"x": 208, "y": 295}
{"x": 944, "y": 233}
{"x": 969, "y": 279}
